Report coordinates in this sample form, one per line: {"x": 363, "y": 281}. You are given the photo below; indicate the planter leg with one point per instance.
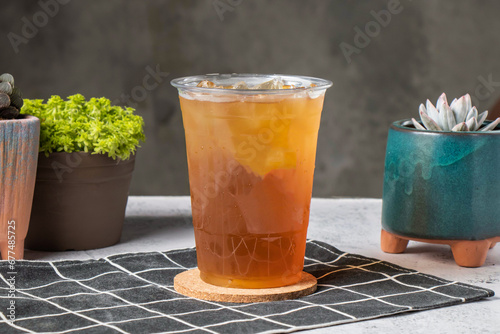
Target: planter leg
{"x": 16, "y": 253}
{"x": 470, "y": 253}
{"x": 391, "y": 243}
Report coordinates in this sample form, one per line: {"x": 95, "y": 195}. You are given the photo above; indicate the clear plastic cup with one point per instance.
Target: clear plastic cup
{"x": 251, "y": 156}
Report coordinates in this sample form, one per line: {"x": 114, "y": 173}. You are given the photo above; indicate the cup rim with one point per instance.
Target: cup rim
{"x": 189, "y": 83}
{"x": 401, "y": 126}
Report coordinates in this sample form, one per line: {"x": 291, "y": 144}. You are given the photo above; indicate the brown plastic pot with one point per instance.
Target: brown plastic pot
{"x": 79, "y": 201}
{"x": 19, "y": 141}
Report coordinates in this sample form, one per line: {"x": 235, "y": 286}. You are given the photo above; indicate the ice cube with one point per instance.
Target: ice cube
{"x": 239, "y": 85}
{"x": 275, "y": 83}
{"x": 206, "y": 84}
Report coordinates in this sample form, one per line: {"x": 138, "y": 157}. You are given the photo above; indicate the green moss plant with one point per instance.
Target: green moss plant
{"x": 77, "y": 125}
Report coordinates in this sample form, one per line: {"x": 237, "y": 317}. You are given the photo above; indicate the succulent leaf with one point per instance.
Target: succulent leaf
{"x": 429, "y": 123}
{"x": 11, "y": 99}
{"x": 450, "y": 117}
{"x": 6, "y": 77}
{"x": 6, "y": 88}
{"x": 9, "y": 113}
{"x": 459, "y": 108}
{"x": 468, "y": 102}
{"x": 417, "y": 125}
{"x": 431, "y": 110}
{"x": 16, "y": 101}
{"x": 442, "y": 121}
{"x": 4, "y": 100}
{"x": 422, "y": 108}
{"x": 491, "y": 126}
{"x": 481, "y": 118}
{"x": 16, "y": 91}
{"x": 472, "y": 124}
{"x": 459, "y": 116}
{"x": 460, "y": 127}
{"x": 441, "y": 100}
{"x": 471, "y": 114}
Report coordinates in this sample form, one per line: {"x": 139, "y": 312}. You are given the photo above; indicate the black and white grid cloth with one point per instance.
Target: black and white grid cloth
{"x": 133, "y": 293}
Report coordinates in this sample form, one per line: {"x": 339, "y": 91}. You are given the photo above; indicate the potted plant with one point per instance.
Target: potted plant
{"x": 440, "y": 183}
{"x": 85, "y": 165}
{"x": 19, "y": 136}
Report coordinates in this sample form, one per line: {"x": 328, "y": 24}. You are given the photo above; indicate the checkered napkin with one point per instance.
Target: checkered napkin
{"x": 133, "y": 293}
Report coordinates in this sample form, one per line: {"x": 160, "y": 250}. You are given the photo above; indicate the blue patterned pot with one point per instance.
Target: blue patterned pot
{"x": 441, "y": 185}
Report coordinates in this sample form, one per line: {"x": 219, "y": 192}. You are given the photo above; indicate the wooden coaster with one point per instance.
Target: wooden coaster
{"x": 190, "y": 284}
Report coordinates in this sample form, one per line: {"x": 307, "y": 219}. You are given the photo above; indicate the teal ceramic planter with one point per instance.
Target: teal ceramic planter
{"x": 441, "y": 185}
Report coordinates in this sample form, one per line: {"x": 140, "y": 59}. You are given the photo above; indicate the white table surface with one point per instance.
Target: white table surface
{"x": 351, "y": 225}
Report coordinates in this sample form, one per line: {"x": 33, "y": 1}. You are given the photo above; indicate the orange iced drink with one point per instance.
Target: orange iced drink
{"x": 251, "y": 156}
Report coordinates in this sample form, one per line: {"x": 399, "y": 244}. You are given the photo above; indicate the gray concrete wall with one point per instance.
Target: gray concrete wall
{"x": 415, "y": 51}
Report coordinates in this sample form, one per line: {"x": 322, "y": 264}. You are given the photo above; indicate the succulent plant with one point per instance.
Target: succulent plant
{"x": 460, "y": 115}
{"x": 11, "y": 99}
